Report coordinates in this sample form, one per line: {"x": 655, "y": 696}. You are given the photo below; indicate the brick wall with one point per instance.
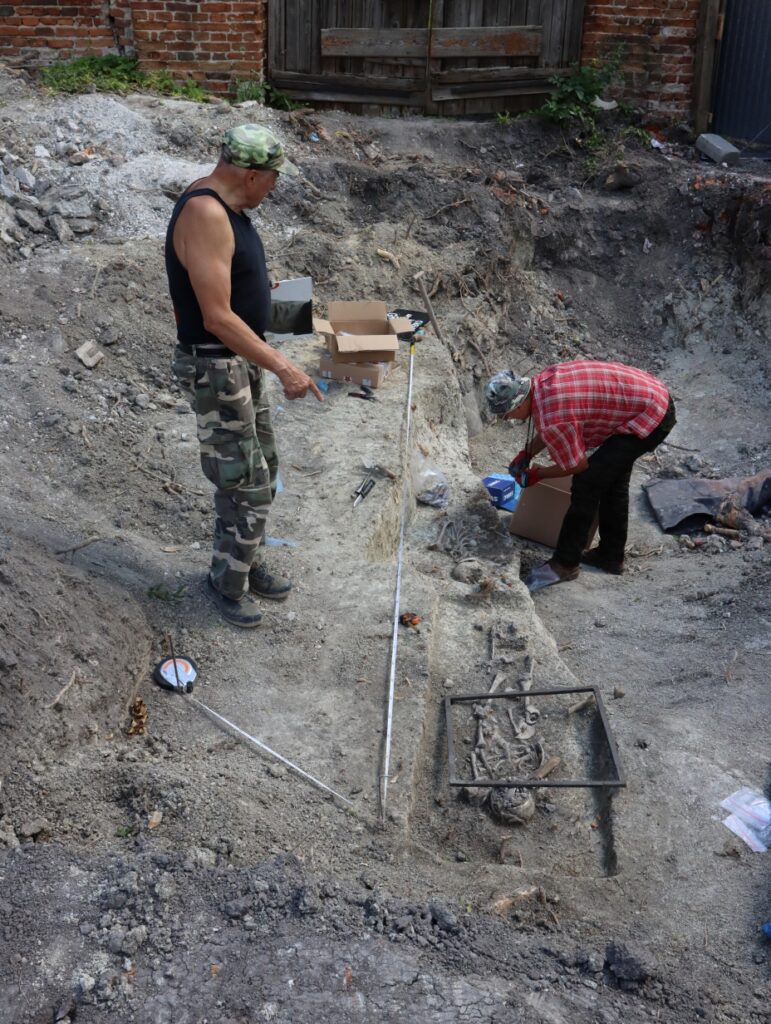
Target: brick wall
{"x": 658, "y": 39}
{"x": 42, "y": 31}
{"x": 213, "y": 41}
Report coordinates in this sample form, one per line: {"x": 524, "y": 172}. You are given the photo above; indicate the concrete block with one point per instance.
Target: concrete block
{"x": 717, "y": 149}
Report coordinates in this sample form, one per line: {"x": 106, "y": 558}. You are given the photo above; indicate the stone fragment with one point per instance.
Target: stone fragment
{"x": 24, "y": 177}
{"x": 32, "y": 828}
{"x": 60, "y": 228}
{"x": 627, "y": 969}
{"x": 30, "y": 219}
{"x": 717, "y": 149}
{"x": 83, "y": 225}
{"x": 89, "y": 354}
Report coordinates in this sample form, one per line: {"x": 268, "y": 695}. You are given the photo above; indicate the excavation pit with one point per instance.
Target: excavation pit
{"x": 563, "y": 716}
{"x": 540, "y": 796}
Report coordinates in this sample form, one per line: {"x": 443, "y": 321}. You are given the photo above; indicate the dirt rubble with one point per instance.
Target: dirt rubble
{"x": 170, "y": 872}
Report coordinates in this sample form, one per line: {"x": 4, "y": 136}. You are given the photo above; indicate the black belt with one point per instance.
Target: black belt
{"x": 207, "y": 350}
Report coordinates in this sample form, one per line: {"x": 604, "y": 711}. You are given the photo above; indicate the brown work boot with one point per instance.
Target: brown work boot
{"x": 595, "y": 558}
{"x": 244, "y": 613}
{"x": 267, "y": 584}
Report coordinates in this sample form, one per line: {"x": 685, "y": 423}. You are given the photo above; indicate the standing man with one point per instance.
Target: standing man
{"x": 219, "y": 285}
{"x": 570, "y": 408}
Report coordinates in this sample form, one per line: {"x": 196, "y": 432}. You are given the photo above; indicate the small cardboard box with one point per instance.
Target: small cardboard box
{"x": 371, "y": 374}
{"x": 360, "y": 332}
{"x": 541, "y": 509}
{"x": 503, "y": 489}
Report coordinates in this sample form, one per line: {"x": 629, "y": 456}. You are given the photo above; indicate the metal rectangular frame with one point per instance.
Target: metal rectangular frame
{"x": 465, "y": 698}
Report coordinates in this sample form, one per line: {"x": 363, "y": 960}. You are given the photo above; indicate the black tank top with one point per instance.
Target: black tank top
{"x": 249, "y": 283}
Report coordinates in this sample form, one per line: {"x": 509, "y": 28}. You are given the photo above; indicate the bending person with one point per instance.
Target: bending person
{"x": 571, "y": 408}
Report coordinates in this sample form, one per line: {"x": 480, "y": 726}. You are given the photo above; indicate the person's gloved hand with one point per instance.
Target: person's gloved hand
{"x": 519, "y": 462}
{"x": 529, "y": 477}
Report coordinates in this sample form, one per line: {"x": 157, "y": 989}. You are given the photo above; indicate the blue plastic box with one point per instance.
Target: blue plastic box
{"x": 503, "y": 489}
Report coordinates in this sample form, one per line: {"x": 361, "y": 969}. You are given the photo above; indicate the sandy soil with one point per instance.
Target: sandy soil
{"x": 155, "y": 867}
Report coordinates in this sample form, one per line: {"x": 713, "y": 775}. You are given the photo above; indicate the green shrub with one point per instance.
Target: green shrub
{"x": 115, "y": 74}
{"x": 574, "y": 95}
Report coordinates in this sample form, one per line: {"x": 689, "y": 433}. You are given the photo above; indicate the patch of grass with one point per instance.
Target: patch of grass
{"x": 116, "y": 74}
{"x": 605, "y": 149}
{"x": 263, "y": 92}
{"x": 161, "y": 592}
{"x": 503, "y": 118}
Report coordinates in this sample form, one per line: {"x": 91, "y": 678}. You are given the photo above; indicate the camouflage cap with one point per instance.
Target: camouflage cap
{"x": 505, "y": 391}
{"x": 255, "y": 148}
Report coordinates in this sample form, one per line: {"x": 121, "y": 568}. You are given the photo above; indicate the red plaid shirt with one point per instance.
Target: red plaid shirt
{"x": 580, "y": 404}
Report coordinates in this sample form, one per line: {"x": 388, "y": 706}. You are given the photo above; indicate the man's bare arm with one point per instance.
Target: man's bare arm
{"x": 203, "y": 241}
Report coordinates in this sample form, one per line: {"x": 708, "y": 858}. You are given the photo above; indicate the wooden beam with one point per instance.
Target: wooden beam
{"x": 706, "y": 45}
{"x": 485, "y": 90}
{"x": 374, "y": 42}
{"x": 352, "y": 88}
{"x": 343, "y": 81}
{"x": 506, "y": 41}
{"x": 502, "y": 74}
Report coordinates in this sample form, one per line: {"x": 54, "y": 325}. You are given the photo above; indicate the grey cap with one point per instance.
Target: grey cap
{"x": 505, "y": 391}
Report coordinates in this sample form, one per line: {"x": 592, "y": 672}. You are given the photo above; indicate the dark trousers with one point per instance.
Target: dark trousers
{"x": 603, "y": 491}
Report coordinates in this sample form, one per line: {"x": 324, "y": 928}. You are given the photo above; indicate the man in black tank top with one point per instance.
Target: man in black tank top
{"x": 219, "y": 285}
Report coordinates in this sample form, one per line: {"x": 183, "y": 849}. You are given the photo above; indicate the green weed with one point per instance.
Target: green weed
{"x": 503, "y": 118}
{"x": 263, "y": 92}
{"x": 574, "y": 95}
{"x": 161, "y": 592}
{"x": 116, "y": 74}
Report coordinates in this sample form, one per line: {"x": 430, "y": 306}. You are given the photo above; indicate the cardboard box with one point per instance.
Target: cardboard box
{"x": 541, "y": 509}
{"x": 360, "y": 332}
{"x": 503, "y": 489}
{"x": 372, "y": 374}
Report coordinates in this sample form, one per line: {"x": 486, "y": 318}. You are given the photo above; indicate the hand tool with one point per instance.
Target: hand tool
{"x": 363, "y": 490}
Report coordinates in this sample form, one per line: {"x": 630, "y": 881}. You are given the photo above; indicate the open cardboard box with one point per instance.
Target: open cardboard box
{"x": 371, "y": 374}
{"x": 360, "y": 332}
{"x": 541, "y": 509}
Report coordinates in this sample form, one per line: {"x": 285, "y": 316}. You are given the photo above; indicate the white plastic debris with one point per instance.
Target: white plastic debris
{"x": 750, "y": 819}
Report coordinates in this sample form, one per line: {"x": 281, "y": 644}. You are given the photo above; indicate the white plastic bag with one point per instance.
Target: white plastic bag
{"x": 750, "y": 818}
{"x": 429, "y": 484}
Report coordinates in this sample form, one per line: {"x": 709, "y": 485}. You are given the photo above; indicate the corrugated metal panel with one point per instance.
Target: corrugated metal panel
{"x": 743, "y": 95}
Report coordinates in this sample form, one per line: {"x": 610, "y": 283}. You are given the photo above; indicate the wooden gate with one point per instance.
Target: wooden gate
{"x": 444, "y": 56}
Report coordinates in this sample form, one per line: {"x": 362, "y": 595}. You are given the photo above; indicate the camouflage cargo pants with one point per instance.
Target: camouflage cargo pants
{"x": 238, "y": 455}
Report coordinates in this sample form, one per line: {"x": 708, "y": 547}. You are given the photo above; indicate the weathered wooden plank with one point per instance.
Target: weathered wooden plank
{"x": 347, "y": 83}
{"x": 706, "y": 34}
{"x": 374, "y": 42}
{"x": 300, "y": 43}
{"x": 358, "y": 96}
{"x": 433, "y": 66}
{"x": 554, "y": 13}
{"x": 494, "y": 74}
{"x": 487, "y": 90}
{"x": 574, "y": 29}
{"x": 276, "y": 35}
{"x": 503, "y": 41}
